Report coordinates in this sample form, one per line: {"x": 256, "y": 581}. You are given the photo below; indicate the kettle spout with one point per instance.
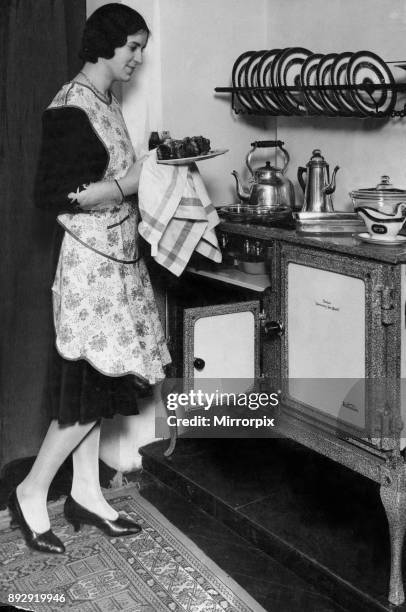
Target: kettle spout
{"x": 242, "y": 193}
{"x": 331, "y": 187}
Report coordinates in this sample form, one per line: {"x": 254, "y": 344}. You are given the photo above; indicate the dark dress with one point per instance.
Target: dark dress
{"x": 72, "y": 154}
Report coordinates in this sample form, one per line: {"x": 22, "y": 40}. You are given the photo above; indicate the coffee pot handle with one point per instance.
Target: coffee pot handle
{"x": 300, "y": 172}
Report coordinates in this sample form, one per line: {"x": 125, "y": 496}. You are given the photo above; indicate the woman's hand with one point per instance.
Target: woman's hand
{"x": 97, "y": 196}
{"x": 129, "y": 182}
{"x": 106, "y": 194}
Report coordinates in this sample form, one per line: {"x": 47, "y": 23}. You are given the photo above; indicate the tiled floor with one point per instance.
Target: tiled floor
{"x": 315, "y": 517}
{"x": 275, "y": 588}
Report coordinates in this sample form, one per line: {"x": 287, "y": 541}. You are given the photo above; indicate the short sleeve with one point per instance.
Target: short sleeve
{"x": 71, "y": 154}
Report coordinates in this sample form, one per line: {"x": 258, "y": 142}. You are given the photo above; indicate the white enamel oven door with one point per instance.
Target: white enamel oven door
{"x": 340, "y": 352}
{"x": 221, "y": 346}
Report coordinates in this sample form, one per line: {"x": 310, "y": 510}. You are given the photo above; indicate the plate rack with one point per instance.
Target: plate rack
{"x": 368, "y": 88}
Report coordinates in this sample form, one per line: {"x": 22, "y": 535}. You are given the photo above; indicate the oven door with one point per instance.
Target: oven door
{"x": 218, "y": 354}
{"x": 340, "y": 345}
{"x": 222, "y": 345}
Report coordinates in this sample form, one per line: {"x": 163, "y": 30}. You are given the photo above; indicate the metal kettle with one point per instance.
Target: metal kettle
{"x": 318, "y": 188}
{"x": 269, "y": 187}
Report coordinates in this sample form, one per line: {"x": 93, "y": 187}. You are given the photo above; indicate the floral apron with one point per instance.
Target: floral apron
{"x": 104, "y": 306}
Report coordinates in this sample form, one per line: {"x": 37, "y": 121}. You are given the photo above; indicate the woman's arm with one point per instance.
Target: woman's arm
{"x": 96, "y": 194}
{"x": 129, "y": 183}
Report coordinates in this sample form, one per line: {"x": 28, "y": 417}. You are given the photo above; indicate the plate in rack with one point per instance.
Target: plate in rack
{"x": 238, "y": 78}
{"x": 288, "y": 71}
{"x": 308, "y": 78}
{"x": 251, "y": 79}
{"x": 263, "y": 78}
{"x": 327, "y": 96}
{"x": 284, "y": 106}
{"x": 339, "y": 77}
{"x": 366, "y": 68}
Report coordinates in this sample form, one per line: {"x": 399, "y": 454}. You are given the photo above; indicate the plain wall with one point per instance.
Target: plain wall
{"x": 200, "y": 40}
{"x": 364, "y": 149}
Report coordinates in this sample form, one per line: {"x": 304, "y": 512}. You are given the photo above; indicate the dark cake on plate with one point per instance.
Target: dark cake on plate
{"x": 187, "y": 147}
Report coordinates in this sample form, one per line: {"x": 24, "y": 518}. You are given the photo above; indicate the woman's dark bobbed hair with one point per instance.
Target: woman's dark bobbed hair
{"x": 108, "y": 28}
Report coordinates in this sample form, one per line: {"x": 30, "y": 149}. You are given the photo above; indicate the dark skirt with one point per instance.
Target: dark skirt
{"x": 77, "y": 393}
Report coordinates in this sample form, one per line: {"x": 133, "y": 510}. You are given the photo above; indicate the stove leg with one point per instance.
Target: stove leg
{"x": 393, "y": 496}
{"x": 168, "y": 386}
{"x": 173, "y": 431}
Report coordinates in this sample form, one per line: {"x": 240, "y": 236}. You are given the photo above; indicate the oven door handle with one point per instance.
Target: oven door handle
{"x": 272, "y": 329}
{"x": 199, "y": 363}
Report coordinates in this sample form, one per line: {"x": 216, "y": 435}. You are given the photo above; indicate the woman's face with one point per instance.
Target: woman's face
{"x": 126, "y": 58}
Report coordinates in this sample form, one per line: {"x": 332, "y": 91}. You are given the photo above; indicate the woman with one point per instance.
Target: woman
{"x": 108, "y": 336}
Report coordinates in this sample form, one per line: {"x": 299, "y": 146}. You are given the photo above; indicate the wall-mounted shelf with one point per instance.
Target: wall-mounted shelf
{"x": 244, "y": 101}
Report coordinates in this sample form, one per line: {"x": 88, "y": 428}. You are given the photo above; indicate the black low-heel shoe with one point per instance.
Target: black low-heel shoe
{"x": 46, "y": 542}
{"x": 78, "y": 515}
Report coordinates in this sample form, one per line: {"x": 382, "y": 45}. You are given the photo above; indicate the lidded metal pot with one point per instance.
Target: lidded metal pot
{"x": 270, "y": 189}
{"x": 384, "y": 197}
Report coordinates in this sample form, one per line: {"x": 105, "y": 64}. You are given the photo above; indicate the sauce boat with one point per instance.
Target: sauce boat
{"x": 381, "y": 225}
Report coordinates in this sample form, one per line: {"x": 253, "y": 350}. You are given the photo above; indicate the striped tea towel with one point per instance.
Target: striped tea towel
{"x": 177, "y": 215}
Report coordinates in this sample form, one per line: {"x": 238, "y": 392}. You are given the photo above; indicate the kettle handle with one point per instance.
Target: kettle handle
{"x": 300, "y": 172}
{"x": 262, "y": 144}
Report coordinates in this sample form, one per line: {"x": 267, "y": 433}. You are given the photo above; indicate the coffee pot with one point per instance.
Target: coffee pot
{"x": 269, "y": 187}
{"x": 318, "y": 188}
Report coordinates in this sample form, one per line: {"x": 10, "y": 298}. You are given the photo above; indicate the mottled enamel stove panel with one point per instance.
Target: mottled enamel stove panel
{"x": 403, "y": 356}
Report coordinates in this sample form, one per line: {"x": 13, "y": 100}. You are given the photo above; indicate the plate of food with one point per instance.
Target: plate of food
{"x": 183, "y": 161}
{"x": 174, "y": 152}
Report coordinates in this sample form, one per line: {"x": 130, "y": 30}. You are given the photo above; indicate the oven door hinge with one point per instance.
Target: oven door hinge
{"x": 387, "y": 304}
